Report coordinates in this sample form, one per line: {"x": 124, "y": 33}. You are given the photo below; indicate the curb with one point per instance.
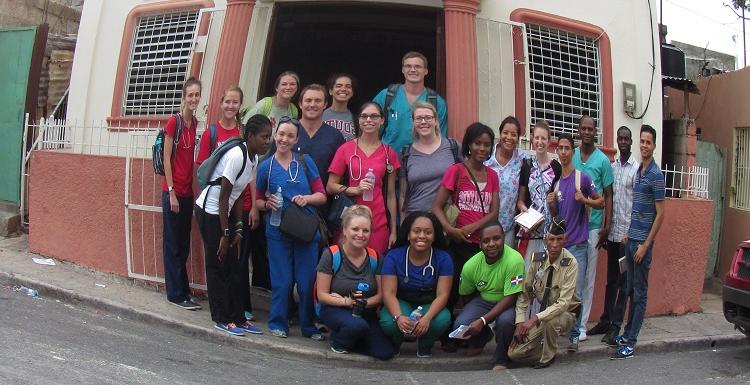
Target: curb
{"x": 439, "y": 364}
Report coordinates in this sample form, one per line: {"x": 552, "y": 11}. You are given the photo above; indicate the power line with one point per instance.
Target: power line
{"x": 696, "y": 13}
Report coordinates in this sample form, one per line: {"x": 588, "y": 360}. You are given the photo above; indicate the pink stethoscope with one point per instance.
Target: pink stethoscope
{"x": 388, "y": 165}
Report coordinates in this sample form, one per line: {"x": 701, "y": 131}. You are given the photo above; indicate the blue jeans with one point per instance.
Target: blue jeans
{"x": 580, "y": 252}
{"x": 357, "y": 334}
{"x": 292, "y": 262}
{"x": 505, "y": 325}
{"x": 176, "y": 236}
{"x": 637, "y": 279}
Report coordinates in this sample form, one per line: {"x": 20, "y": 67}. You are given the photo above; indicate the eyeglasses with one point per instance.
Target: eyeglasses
{"x": 424, "y": 118}
{"x": 413, "y": 67}
{"x": 371, "y": 116}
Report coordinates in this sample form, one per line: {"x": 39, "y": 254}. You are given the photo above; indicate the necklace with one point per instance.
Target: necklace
{"x": 186, "y": 137}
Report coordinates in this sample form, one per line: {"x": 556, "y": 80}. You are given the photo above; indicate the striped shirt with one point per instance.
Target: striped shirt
{"x": 622, "y": 197}
{"x": 647, "y": 189}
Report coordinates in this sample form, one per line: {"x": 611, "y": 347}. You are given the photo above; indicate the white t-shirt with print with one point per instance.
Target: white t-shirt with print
{"x": 228, "y": 167}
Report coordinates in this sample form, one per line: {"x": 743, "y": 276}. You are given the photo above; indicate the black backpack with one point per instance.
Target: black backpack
{"x": 157, "y": 150}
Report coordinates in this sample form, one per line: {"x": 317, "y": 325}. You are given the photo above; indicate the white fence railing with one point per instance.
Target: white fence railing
{"x": 682, "y": 183}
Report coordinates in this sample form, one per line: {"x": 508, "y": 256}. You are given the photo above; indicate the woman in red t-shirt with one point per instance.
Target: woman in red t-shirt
{"x": 226, "y": 128}
{"x": 473, "y": 188}
{"x": 177, "y": 195}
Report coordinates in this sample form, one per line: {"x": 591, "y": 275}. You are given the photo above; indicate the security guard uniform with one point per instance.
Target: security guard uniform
{"x": 556, "y": 295}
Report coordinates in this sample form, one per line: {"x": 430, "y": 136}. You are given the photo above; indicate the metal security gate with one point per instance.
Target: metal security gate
{"x": 714, "y": 157}
{"x": 143, "y": 217}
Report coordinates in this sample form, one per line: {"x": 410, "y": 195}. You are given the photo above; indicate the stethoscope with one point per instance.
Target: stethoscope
{"x": 388, "y": 165}
{"x": 424, "y": 270}
{"x": 294, "y": 162}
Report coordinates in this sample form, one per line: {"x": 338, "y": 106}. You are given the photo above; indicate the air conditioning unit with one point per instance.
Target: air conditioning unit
{"x": 672, "y": 61}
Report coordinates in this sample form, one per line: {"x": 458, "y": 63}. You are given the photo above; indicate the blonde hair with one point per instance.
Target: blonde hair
{"x": 428, "y": 106}
{"x": 356, "y": 211}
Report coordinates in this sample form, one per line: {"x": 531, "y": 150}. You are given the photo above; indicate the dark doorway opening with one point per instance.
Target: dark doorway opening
{"x": 365, "y": 40}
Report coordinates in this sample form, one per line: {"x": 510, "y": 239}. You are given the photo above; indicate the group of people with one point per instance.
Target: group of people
{"x": 423, "y": 242}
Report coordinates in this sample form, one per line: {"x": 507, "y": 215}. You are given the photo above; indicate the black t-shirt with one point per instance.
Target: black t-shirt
{"x": 345, "y": 280}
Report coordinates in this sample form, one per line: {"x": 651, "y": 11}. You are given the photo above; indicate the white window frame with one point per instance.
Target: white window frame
{"x": 158, "y": 63}
{"x": 741, "y": 170}
{"x": 564, "y": 79}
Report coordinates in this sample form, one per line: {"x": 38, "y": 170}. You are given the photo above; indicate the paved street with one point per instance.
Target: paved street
{"x": 49, "y": 342}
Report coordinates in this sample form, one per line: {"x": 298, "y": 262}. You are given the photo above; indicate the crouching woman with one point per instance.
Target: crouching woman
{"x": 349, "y": 290}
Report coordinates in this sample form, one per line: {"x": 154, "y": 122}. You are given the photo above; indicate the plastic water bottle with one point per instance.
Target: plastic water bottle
{"x": 27, "y": 290}
{"x": 367, "y": 195}
{"x": 276, "y": 214}
{"x": 414, "y": 317}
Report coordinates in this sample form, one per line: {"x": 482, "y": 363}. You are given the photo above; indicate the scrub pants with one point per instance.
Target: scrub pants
{"x": 176, "y": 250}
{"x": 438, "y": 325}
{"x": 292, "y": 262}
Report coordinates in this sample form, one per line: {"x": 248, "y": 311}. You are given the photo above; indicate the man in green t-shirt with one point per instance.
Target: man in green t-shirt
{"x": 490, "y": 283}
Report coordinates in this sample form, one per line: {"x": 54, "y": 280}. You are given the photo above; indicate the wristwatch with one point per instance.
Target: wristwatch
{"x": 227, "y": 233}
{"x": 170, "y": 188}
{"x": 396, "y": 317}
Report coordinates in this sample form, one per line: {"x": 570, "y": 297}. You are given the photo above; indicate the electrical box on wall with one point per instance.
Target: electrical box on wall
{"x": 628, "y": 97}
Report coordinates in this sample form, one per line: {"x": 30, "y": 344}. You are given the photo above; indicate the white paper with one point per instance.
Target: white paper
{"x": 530, "y": 219}
{"x": 623, "y": 265}
{"x": 44, "y": 261}
{"x": 460, "y": 333}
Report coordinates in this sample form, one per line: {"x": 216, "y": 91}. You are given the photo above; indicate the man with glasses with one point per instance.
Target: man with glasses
{"x": 397, "y": 101}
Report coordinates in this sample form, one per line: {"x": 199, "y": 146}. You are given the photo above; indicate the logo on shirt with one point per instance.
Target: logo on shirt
{"x": 481, "y": 284}
{"x": 516, "y": 280}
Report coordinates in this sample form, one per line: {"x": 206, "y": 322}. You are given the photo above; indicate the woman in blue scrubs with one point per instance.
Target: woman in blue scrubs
{"x": 290, "y": 261}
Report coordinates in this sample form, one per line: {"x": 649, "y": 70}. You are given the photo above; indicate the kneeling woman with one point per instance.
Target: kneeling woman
{"x": 417, "y": 272}
{"x": 220, "y": 244}
{"x": 290, "y": 261}
{"x": 349, "y": 290}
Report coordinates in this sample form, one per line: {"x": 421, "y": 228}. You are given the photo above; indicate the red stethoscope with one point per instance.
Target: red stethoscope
{"x": 388, "y": 165}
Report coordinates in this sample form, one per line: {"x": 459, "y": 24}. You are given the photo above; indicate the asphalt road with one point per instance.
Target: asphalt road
{"x": 45, "y": 341}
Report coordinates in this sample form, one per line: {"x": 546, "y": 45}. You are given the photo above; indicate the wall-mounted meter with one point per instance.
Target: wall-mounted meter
{"x": 628, "y": 97}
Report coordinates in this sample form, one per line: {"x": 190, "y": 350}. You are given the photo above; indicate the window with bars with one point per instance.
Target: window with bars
{"x": 741, "y": 175}
{"x": 564, "y": 78}
{"x": 158, "y": 63}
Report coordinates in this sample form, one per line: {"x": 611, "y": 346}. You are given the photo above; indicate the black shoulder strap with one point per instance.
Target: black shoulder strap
{"x": 405, "y": 159}
{"x": 476, "y": 185}
{"x": 244, "y": 160}
{"x": 432, "y": 97}
{"x": 390, "y": 94}
{"x": 178, "y": 128}
{"x": 454, "y": 150}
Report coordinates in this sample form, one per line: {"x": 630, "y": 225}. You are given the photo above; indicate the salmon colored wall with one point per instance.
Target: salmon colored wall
{"x": 679, "y": 260}
{"x": 76, "y": 213}
{"x": 718, "y": 110}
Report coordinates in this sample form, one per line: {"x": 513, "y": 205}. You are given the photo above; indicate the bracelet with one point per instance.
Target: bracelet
{"x": 238, "y": 230}
{"x": 239, "y": 224}
{"x": 484, "y": 321}
{"x": 396, "y": 317}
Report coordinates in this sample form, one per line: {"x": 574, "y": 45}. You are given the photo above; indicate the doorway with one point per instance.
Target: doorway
{"x": 363, "y": 39}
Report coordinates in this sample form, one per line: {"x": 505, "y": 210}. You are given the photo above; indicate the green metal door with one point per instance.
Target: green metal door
{"x": 712, "y": 156}
{"x": 17, "y": 45}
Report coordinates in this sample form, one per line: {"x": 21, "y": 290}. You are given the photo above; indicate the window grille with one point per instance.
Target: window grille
{"x": 158, "y": 63}
{"x": 741, "y": 175}
{"x": 563, "y": 78}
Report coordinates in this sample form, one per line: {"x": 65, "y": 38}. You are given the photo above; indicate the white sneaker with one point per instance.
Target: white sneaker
{"x": 582, "y": 337}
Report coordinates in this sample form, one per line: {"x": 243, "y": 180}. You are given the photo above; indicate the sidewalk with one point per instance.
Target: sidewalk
{"x": 145, "y": 303}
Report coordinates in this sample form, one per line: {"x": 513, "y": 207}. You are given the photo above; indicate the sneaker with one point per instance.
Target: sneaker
{"x": 573, "y": 347}
{"x": 621, "y": 340}
{"x": 317, "y": 337}
{"x": 600, "y": 328}
{"x": 186, "y": 304}
{"x": 321, "y": 327}
{"x": 582, "y": 337}
{"x": 338, "y": 350}
{"x": 426, "y": 353}
{"x": 250, "y": 328}
{"x": 279, "y": 333}
{"x": 499, "y": 367}
{"x": 249, "y": 316}
{"x": 230, "y": 328}
{"x": 623, "y": 352}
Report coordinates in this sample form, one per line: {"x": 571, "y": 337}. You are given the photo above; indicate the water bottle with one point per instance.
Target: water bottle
{"x": 27, "y": 290}
{"x": 276, "y": 214}
{"x": 414, "y": 317}
{"x": 367, "y": 195}
{"x": 359, "y": 302}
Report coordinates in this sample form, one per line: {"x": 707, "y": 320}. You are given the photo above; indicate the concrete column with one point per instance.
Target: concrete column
{"x": 231, "y": 51}
{"x": 461, "y": 64}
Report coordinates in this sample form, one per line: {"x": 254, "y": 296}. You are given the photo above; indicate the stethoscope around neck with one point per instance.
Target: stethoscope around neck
{"x": 424, "y": 269}
{"x": 388, "y": 165}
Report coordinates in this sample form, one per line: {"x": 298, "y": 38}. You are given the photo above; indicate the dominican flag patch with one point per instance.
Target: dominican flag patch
{"x": 516, "y": 280}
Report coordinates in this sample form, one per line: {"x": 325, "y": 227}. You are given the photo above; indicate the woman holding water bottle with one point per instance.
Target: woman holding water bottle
{"x": 417, "y": 274}
{"x": 368, "y": 164}
{"x": 349, "y": 290}
{"x": 290, "y": 261}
